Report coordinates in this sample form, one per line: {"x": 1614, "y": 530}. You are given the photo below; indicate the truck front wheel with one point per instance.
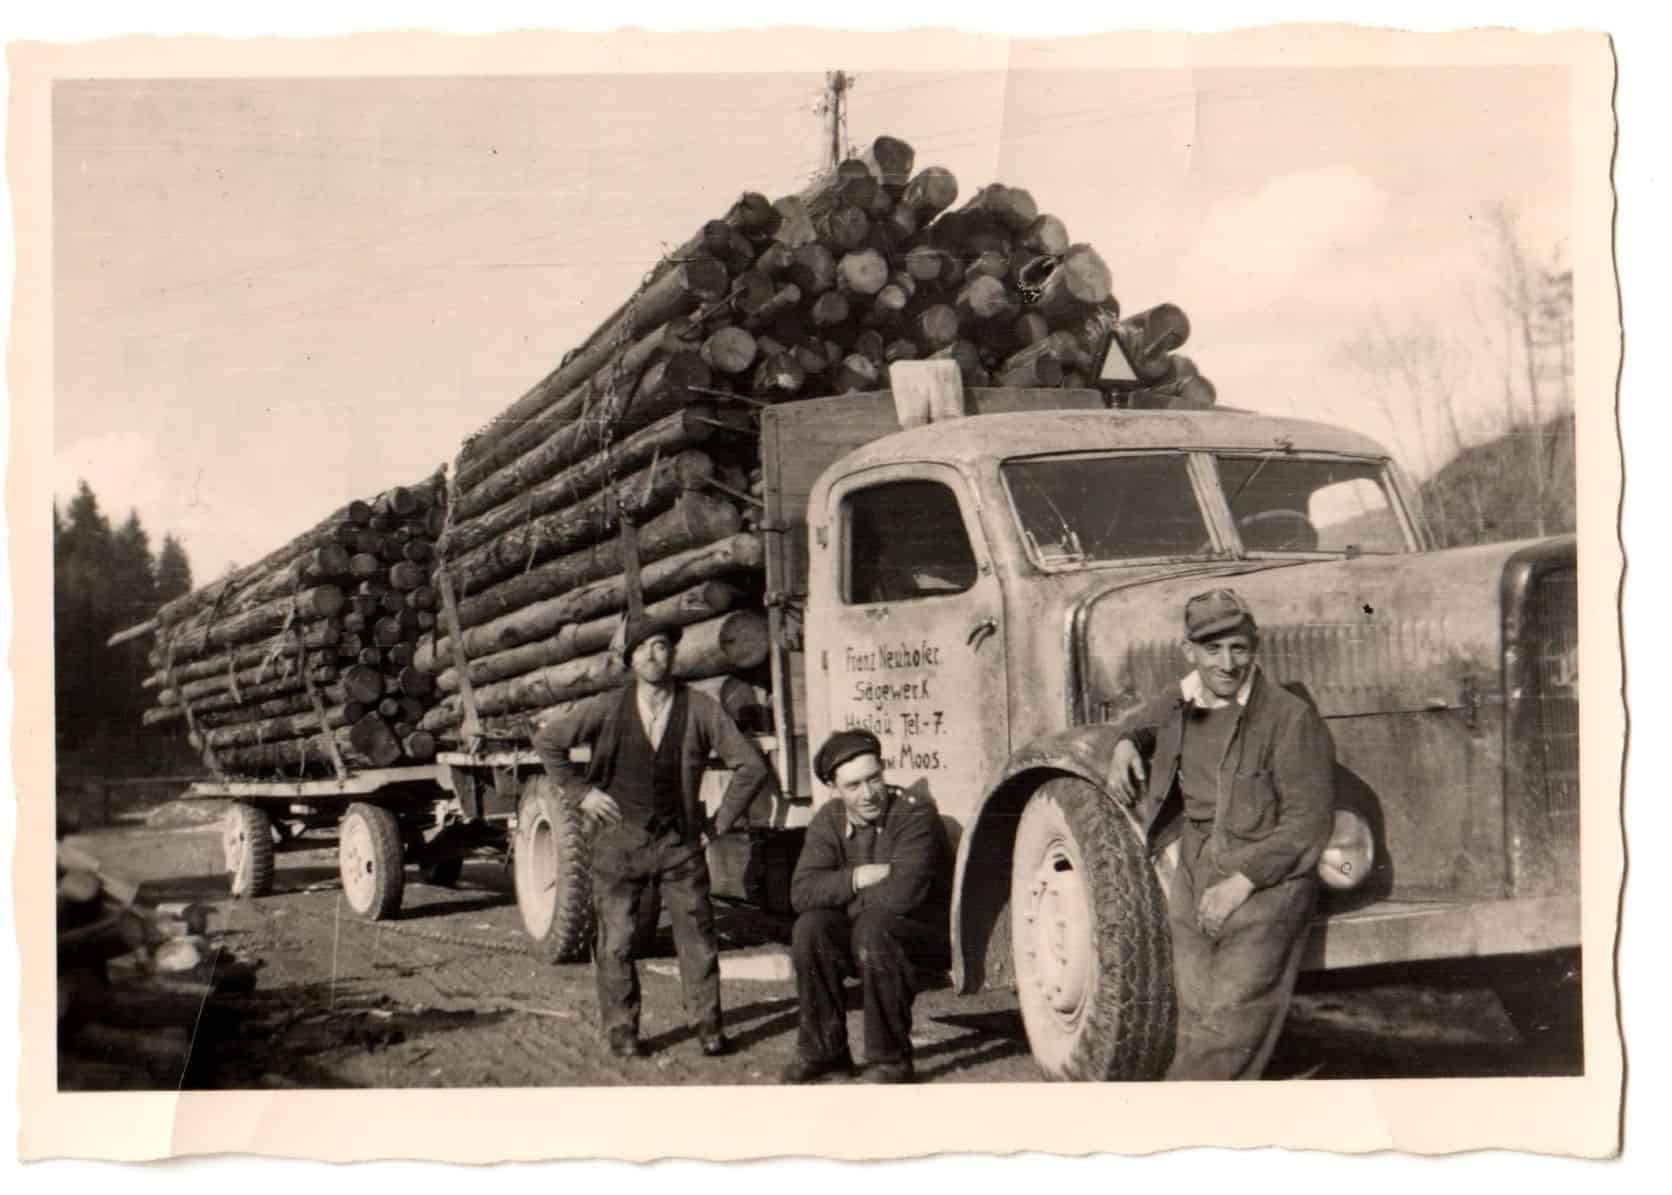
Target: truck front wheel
{"x": 1088, "y": 922}
{"x": 554, "y": 882}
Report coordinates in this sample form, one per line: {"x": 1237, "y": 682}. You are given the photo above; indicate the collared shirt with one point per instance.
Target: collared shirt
{"x": 654, "y": 707}
{"x": 1207, "y": 735}
{"x": 1205, "y": 698}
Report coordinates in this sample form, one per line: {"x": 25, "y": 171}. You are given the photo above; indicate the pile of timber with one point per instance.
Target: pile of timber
{"x": 810, "y": 295}
{"x": 302, "y": 664}
{"x": 136, "y": 983}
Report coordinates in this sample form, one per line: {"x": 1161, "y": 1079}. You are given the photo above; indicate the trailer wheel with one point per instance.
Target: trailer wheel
{"x": 371, "y": 860}
{"x": 247, "y": 842}
{"x": 443, "y": 873}
{"x": 1089, "y": 939}
{"x": 553, "y": 879}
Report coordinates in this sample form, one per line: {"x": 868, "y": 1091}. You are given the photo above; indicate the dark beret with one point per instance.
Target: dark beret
{"x": 841, "y": 747}
{"x": 642, "y": 628}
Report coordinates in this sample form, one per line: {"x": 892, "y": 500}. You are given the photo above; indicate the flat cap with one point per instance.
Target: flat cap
{"x": 1216, "y": 612}
{"x": 839, "y": 748}
{"x": 642, "y": 628}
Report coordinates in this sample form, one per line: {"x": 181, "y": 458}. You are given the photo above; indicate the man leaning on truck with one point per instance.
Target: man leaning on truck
{"x": 650, "y": 743}
{"x": 1252, "y": 769}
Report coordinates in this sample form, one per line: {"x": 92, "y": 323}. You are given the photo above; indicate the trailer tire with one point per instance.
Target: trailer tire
{"x": 1089, "y": 939}
{"x": 247, "y": 843}
{"x": 371, "y": 860}
{"x": 552, "y": 873}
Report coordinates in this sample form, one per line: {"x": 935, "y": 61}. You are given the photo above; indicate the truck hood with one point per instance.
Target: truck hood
{"x": 1376, "y": 634}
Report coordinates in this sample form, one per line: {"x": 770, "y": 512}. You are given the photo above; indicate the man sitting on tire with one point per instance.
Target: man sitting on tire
{"x": 650, "y": 743}
{"x": 871, "y": 891}
{"x": 1252, "y": 769}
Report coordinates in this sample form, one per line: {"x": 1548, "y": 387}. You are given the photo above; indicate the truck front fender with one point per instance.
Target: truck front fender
{"x": 981, "y": 879}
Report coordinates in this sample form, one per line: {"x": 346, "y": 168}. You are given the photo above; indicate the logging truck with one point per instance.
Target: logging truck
{"x": 990, "y": 579}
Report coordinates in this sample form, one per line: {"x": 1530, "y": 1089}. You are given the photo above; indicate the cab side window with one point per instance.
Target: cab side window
{"x": 905, "y": 540}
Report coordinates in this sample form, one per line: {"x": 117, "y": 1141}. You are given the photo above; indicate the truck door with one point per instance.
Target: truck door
{"x": 907, "y": 631}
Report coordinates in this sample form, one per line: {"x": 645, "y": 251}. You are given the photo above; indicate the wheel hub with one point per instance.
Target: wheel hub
{"x": 1058, "y": 918}
{"x": 358, "y": 863}
{"x": 232, "y": 842}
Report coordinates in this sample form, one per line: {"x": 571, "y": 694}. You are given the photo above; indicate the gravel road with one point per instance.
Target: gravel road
{"x": 448, "y": 995}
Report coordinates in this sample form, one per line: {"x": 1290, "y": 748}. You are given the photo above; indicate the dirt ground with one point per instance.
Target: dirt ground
{"x": 447, "y": 995}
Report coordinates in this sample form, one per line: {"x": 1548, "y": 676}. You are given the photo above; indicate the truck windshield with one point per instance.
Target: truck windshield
{"x": 1290, "y": 504}
{"x": 1088, "y": 509}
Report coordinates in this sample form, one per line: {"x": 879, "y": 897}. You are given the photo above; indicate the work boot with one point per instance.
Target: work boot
{"x": 714, "y": 1043}
{"x": 624, "y": 1043}
{"x": 811, "y": 1070}
{"x": 898, "y": 1071}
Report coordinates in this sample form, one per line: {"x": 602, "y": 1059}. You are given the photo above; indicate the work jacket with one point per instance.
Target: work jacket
{"x": 909, "y": 838}
{"x": 709, "y": 730}
{"x": 1275, "y": 798}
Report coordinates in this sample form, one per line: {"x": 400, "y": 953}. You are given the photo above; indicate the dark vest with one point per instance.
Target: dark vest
{"x": 646, "y": 780}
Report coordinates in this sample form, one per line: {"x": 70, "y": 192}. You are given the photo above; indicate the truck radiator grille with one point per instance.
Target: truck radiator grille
{"x": 1552, "y": 644}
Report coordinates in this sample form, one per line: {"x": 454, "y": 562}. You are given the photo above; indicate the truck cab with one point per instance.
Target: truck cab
{"x": 991, "y": 591}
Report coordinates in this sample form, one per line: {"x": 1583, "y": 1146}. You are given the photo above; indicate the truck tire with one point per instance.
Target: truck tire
{"x": 371, "y": 860}
{"x": 553, "y": 879}
{"x": 1089, "y": 939}
{"x": 247, "y": 842}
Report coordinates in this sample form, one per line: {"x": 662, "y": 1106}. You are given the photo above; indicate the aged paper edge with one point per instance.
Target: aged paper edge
{"x": 1578, "y": 1115}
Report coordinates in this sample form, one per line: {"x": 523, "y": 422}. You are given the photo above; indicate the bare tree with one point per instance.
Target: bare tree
{"x": 1490, "y": 468}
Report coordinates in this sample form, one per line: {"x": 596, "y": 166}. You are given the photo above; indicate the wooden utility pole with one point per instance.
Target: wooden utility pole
{"x": 837, "y": 84}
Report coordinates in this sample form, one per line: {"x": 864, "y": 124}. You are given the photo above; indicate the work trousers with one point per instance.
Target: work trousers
{"x": 887, "y": 952}
{"x": 1233, "y": 991}
{"x": 628, "y": 864}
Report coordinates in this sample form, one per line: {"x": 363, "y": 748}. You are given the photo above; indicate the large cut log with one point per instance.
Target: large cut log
{"x": 890, "y": 160}
{"x": 357, "y": 684}
{"x": 730, "y": 643}
{"x": 276, "y": 707}
{"x": 1046, "y": 235}
{"x": 930, "y": 192}
{"x": 588, "y": 521}
{"x": 731, "y": 350}
{"x": 695, "y": 519}
{"x": 1035, "y": 366}
{"x": 935, "y": 328}
{"x": 271, "y": 730}
{"x": 304, "y": 637}
{"x": 354, "y": 514}
{"x": 985, "y": 299}
{"x": 1149, "y": 336}
{"x": 666, "y": 437}
{"x": 578, "y": 412}
{"x": 680, "y": 289}
{"x": 662, "y": 389}
{"x": 369, "y": 743}
{"x": 701, "y": 601}
{"x": 737, "y": 553}
{"x": 862, "y": 272}
{"x": 204, "y": 633}
{"x": 1080, "y": 280}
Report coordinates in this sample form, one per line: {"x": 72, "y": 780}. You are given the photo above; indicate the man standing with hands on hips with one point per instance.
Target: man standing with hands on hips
{"x": 651, "y": 741}
{"x": 872, "y": 890}
{"x": 1241, "y": 773}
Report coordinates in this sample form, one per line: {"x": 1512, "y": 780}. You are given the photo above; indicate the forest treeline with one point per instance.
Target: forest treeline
{"x": 106, "y": 578}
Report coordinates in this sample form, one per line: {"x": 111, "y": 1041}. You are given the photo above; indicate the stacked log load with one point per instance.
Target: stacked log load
{"x": 814, "y": 294}
{"x": 303, "y": 662}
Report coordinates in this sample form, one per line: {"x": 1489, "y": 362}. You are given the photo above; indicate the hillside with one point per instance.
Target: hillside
{"x": 1492, "y": 491}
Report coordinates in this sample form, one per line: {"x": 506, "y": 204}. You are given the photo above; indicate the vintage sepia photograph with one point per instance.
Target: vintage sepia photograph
{"x": 1055, "y": 566}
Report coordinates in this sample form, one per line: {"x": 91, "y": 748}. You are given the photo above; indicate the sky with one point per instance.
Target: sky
{"x": 274, "y": 295}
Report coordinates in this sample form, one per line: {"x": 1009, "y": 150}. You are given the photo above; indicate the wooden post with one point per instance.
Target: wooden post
{"x": 472, "y": 724}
